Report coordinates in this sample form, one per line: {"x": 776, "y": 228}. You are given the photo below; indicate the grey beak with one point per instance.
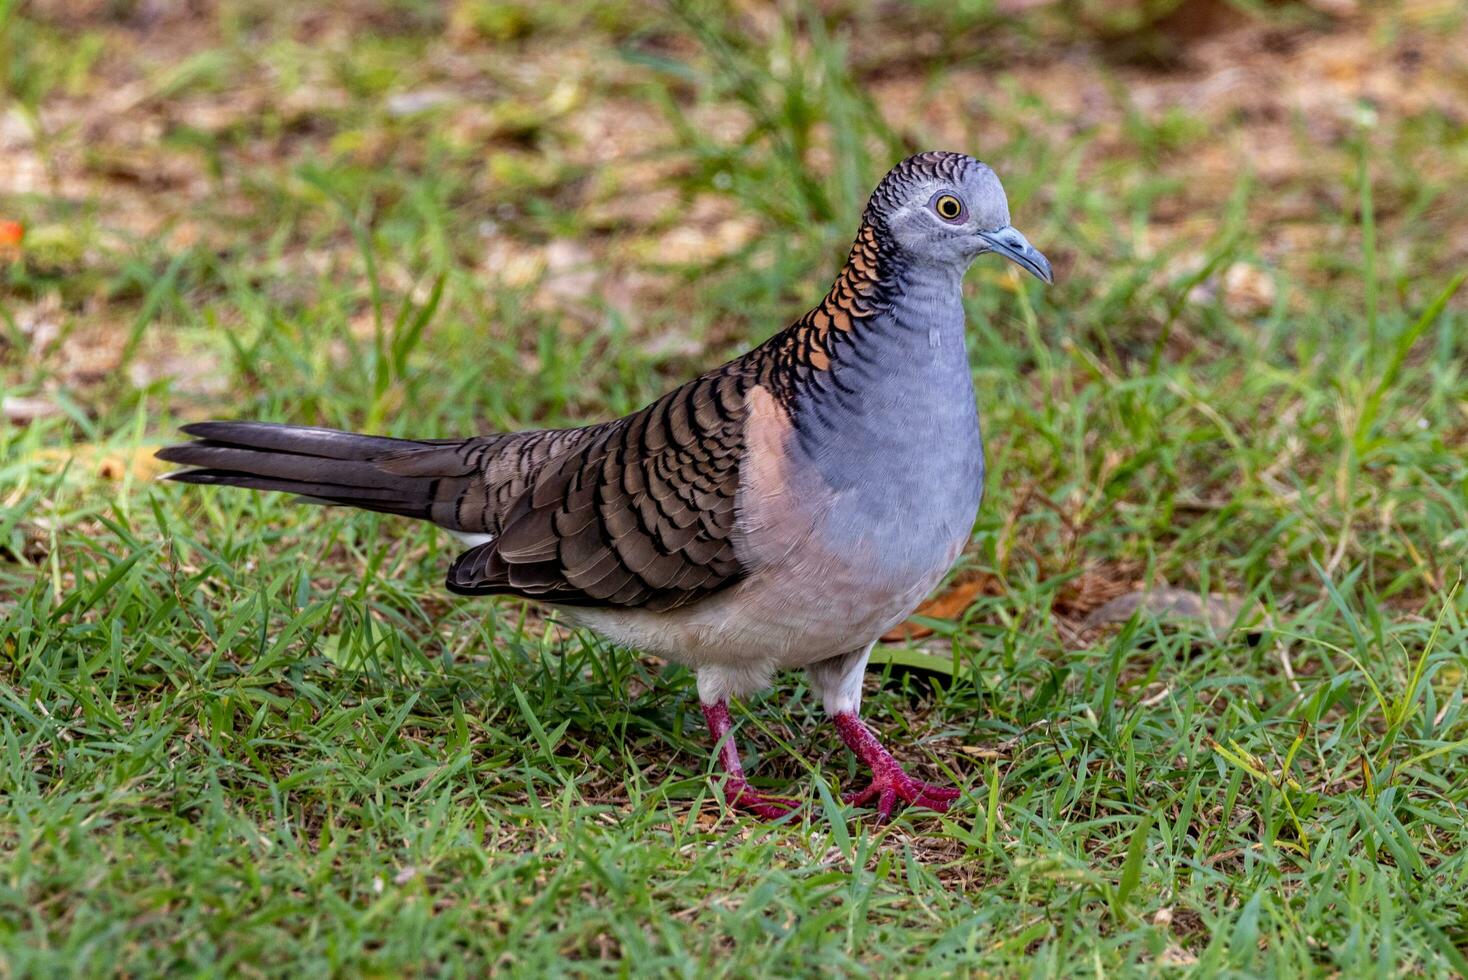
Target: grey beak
{"x": 1008, "y": 242}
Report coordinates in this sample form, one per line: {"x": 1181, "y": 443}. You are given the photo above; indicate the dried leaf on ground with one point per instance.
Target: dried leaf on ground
{"x": 948, "y": 604}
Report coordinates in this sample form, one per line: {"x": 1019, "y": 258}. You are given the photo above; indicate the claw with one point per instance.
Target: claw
{"x": 898, "y": 785}
{"x": 742, "y": 796}
{"x": 889, "y": 782}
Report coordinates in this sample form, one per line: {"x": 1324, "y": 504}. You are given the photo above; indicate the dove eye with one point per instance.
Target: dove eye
{"x": 949, "y": 208}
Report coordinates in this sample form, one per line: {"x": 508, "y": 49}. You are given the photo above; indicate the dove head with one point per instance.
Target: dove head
{"x": 947, "y": 209}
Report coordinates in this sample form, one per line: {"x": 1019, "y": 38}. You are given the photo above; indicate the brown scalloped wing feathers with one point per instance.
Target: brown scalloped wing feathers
{"x": 640, "y": 512}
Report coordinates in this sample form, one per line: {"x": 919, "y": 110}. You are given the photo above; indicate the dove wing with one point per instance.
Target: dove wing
{"x": 638, "y": 512}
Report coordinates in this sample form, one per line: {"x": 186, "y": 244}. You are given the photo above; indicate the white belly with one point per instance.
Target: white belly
{"x": 779, "y": 620}
{"x": 809, "y": 604}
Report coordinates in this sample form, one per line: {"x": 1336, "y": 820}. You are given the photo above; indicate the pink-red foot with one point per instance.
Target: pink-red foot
{"x": 890, "y": 782}
{"x": 742, "y": 796}
{"x": 737, "y": 791}
{"x": 887, "y": 790}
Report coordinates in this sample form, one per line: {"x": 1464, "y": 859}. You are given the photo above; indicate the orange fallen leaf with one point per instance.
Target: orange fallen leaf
{"x": 948, "y": 604}
{"x": 11, "y": 235}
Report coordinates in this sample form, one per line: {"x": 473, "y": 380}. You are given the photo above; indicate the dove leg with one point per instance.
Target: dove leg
{"x": 737, "y": 791}
{"x": 838, "y": 683}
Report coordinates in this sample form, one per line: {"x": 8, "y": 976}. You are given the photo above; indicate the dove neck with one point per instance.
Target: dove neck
{"x": 885, "y": 316}
{"x": 905, "y": 345}
{"x": 918, "y": 317}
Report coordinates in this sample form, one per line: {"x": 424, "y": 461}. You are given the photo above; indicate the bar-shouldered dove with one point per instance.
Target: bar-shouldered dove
{"x": 782, "y": 510}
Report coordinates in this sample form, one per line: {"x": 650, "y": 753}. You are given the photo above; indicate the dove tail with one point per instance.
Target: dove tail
{"x": 321, "y": 465}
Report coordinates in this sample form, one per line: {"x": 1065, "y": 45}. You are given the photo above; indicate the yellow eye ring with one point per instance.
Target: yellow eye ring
{"x": 948, "y": 207}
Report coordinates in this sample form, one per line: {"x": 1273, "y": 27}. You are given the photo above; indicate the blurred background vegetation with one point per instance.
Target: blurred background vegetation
{"x": 237, "y": 729}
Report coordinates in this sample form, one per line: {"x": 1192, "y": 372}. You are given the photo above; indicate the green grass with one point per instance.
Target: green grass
{"x": 247, "y": 736}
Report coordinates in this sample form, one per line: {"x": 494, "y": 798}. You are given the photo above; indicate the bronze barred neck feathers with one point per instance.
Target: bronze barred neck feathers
{"x": 857, "y": 293}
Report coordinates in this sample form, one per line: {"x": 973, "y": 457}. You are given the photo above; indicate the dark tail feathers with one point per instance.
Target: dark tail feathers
{"x": 326, "y": 466}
